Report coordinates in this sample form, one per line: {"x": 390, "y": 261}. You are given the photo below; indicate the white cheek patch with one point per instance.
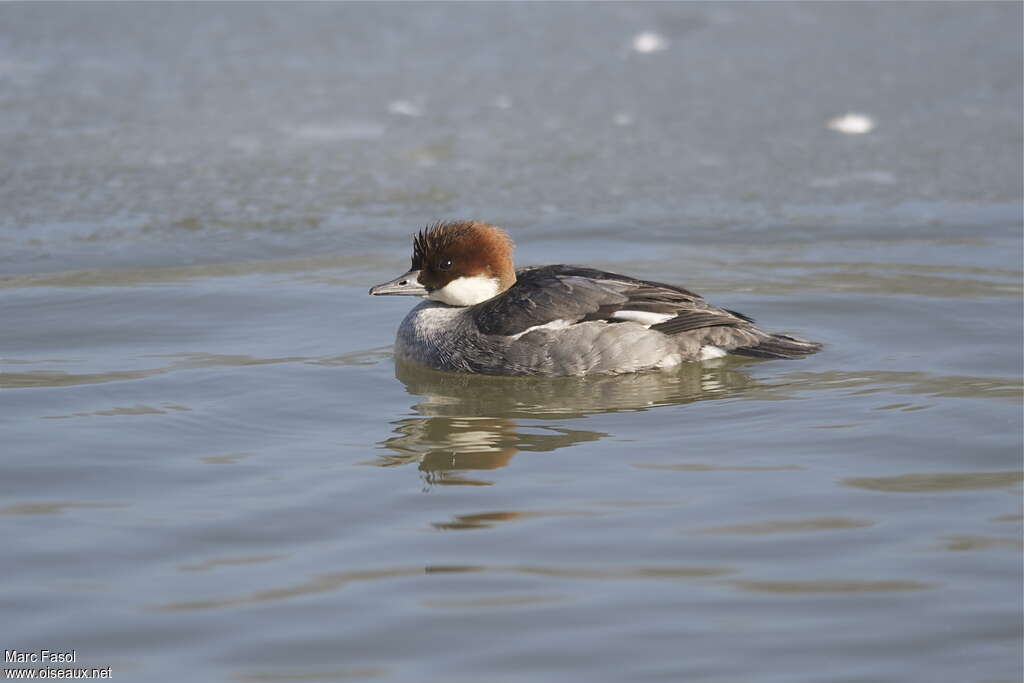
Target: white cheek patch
{"x": 466, "y": 291}
{"x": 645, "y": 318}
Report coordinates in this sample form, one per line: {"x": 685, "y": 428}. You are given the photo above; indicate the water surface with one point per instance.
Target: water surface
{"x": 212, "y": 466}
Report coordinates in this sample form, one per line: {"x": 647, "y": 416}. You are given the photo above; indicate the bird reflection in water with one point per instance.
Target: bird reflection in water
{"x": 475, "y": 422}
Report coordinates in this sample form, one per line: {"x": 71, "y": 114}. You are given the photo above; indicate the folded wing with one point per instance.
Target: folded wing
{"x": 572, "y": 294}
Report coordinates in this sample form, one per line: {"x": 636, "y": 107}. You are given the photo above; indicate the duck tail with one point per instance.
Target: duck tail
{"x": 779, "y": 346}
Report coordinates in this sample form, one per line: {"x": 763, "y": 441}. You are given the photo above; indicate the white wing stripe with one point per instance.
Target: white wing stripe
{"x": 553, "y": 325}
{"x": 645, "y": 318}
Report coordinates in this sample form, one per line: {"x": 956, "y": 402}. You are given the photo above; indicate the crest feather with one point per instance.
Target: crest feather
{"x": 437, "y": 237}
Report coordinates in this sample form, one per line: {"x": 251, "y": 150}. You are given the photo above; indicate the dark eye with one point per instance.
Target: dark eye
{"x": 445, "y": 265}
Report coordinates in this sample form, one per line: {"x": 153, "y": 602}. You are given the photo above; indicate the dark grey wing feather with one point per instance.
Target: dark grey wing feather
{"x": 696, "y": 319}
{"x": 574, "y": 293}
{"x": 690, "y": 311}
{"x": 542, "y": 295}
{"x": 779, "y": 346}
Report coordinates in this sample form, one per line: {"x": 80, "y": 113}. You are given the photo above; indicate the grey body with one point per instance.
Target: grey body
{"x": 561, "y": 320}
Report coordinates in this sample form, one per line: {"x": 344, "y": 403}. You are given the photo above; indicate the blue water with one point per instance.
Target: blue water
{"x": 212, "y": 468}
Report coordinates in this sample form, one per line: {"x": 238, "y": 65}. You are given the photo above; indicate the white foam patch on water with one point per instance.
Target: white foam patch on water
{"x": 649, "y": 41}
{"x": 405, "y": 108}
{"x": 852, "y": 124}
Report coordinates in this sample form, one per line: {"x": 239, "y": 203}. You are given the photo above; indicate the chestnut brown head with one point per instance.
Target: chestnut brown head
{"x": 460, "y": 263}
